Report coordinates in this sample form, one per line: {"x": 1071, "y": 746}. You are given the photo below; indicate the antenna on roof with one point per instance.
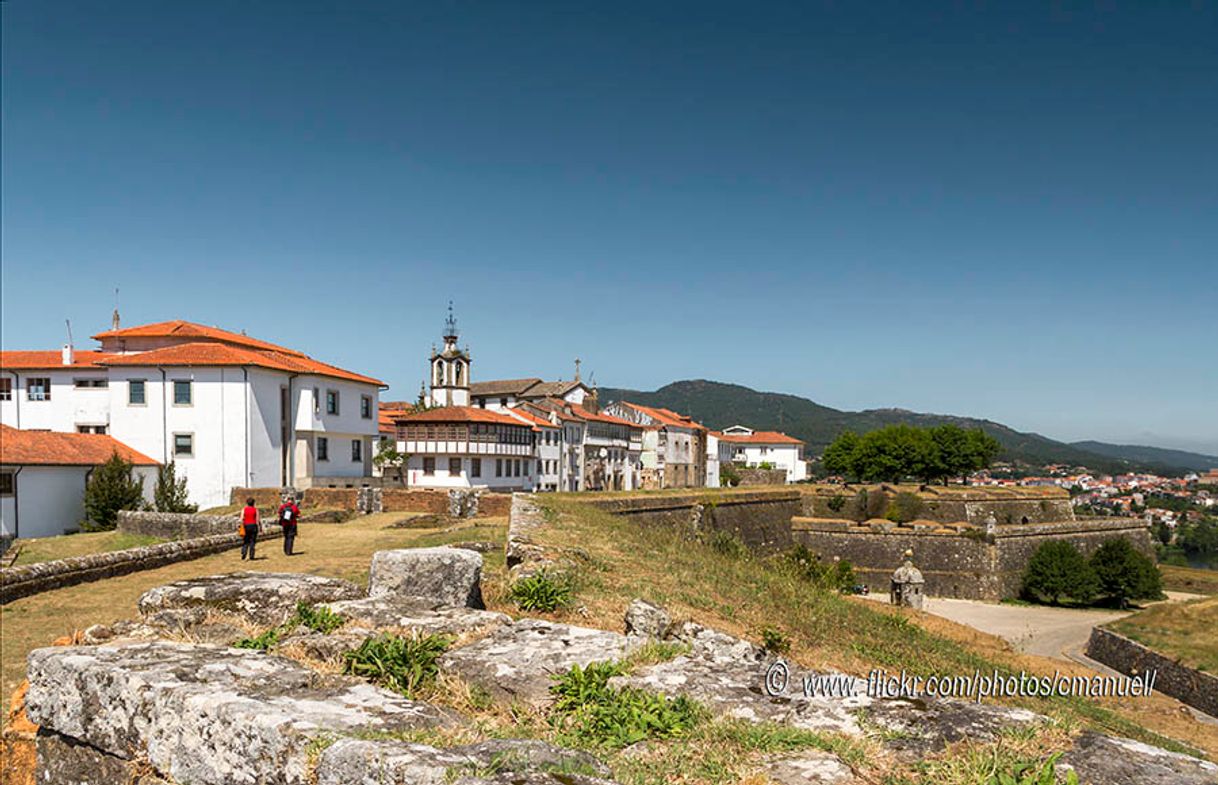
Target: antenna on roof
{"x": 68, "y": 322}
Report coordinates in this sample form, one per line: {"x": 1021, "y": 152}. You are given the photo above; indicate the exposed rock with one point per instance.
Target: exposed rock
{"x": 263, "y": 597}
{"x": 360, "y": 762}
{"x": 717, "y": 646}
{"x": 481, "y": 546}
{"x": 915, "y": 727}
{"x": 532, "y": 778}
{"x": 411, "y": 613}
{"x": 443, "y": 576}
{"x": 206, "y": 715}
{"x": 517, "y": 661}
{"x": 809, "y": 767}
{"x": 323, "y": 647}
{"x": 65, "y": 761}
{"x": 647, "y": 619}
{"x": 1114, "y": 761}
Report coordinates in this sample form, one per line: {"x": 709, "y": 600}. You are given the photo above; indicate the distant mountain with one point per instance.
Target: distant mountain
{"x": 719, "y": 405}
{"x": 1157, "y": 455}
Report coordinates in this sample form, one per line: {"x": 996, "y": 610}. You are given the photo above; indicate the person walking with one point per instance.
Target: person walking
{"x": 249, "y": 529}
{"x": 289, "y": 515}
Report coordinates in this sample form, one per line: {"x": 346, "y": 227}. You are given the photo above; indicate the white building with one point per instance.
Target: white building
{"x": 468, "y": 447}
{"x": 599, "y": 452}
{"x": 230, "y": 410}
{"x": 757, "y": 449}
{"x": 674, "y": 446}
{"x": 548, "y": 452}
{"x": 43, "y": 476}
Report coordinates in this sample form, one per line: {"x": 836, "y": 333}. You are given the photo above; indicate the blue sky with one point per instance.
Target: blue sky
{"x": 1008, "y": 212}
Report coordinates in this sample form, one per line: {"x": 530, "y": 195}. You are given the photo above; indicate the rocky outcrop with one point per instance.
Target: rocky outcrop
{"x": 1102, "y": 759}
{"x": 516, "y": 661}
{"x": 263, "y": 597}
{"x": 415, "y": 615}
{"x": 443, "y": 576}
{"x": 809, "y": 767}
{"x": 207, "y": 715}
{"x": 524, "y": 554}
{"x": 647, "y": 619}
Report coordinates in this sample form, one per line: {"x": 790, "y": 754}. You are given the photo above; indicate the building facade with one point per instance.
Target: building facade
{"x": 673, "y": 446}
{"x": 773, "y": 449}
{"x": 468, "y": 447}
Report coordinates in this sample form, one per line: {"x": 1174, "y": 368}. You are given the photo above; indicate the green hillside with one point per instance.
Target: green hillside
{"x": 719, "y": 405}
{"x": 1137, "y": 453}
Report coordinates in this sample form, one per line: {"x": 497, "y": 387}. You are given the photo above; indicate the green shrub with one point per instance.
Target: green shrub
{"x": 807, "y": 565}
{"x": 728, "y": 476}
{"x": 775, "y": 641}
{"x": 728, "y": 544}
{"x": 318, "y": 619}
{"x": 905, "y": 507}
{"x": 1125, "y": 574}
{"x": 112, "y": 486}
{"x": 401, "y": 664}
{"x": 170, "y": 494}
{"x": 1057, "y": 569}
{"x": 837, "y": 502}
{"x": 260, "y": 642}
{"x": 1033, "y": 774}
{"x": 542, "y": 591}
{"x": 588, "y": 710}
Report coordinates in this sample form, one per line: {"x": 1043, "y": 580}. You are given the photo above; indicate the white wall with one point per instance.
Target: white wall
{"x": 788, "y": 457}
{"x": 49, "y": 500}
{"x": 443, "y": 479}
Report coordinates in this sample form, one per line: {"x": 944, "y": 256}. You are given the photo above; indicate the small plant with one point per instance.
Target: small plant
{"x": 837, "y": 502}
{"x": 1033, "y": 774}
{"x": 728, "y": 544}
{"x": 318, "y": 619}
{"x": 587, "y": 709}
{"x": 775, "y": 641}
{"x": 401, "y": 664}
{"x": 542, "y": 591}
{"x": 905, "y": 507}
{"x": 170, "y": 494}
{"x": 837, "y": 575}
{"x": 260, "y": 642}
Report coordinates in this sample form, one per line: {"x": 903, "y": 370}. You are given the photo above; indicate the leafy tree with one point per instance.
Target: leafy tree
{"x": 839, "y": 456}
{"x": 728, "y": 476}
{"x": 1199, "y": 540}
{"x": 1057, "y": 569}
{"x": 113, "y": 486}
{"x": 387, "y": 456}
{"x": 1161, "y": 532}
{"x": 905, "y": 507}
{"x": 1124, "y": 574}
{"x": 982, "y": 449}
{"x": 169, "y": 494}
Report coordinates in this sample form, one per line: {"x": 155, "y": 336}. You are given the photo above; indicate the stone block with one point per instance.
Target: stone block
{"x": 441, "y": 576}
{"x": 263, "y": 597}
{"x": 647, "y": 619}
{"x": 408, "y": 613}
{"x": 1105, "y": 759}
{"x": 208, "y": 715}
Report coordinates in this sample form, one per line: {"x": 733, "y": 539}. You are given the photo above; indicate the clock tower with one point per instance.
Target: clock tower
{"x": 450, "y": 368}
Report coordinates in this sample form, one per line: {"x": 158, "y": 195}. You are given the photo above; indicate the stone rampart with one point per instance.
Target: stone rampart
{"x": 957, "y": 561}
{"x": 761, "y": 519}
{"x": 754, "y": 476}
{"x": 175, "y": 525}
{"x": 950, "y": 504}
{"x": 1188, "y": 685}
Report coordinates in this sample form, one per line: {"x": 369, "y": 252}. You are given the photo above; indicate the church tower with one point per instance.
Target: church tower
{"x": 450, "y": 368}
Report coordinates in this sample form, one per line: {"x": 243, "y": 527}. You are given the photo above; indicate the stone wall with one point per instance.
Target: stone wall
{"x": 957, "y": 561}
{"x": 387, "y": 499}
{"x": 761, "y": 476}
{"x": 332, "y": 498}
{"x": 175, "y": 525}
{"x": 1188, "y": 685}
{"x": 761, "y": 519}
{"x": 945, "y": 504}
{"x": 17, "y": 582}
{"x": 263, "y": 497}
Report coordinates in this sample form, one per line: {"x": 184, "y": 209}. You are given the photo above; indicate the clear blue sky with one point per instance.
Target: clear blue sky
{"x": 1009, "y": 212}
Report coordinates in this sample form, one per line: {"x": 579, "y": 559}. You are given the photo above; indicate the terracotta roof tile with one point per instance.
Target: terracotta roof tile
{"x": 759, "y": 437}
{"x": 502, "y": 387}
{"x": 179, "y": 328}
{"x": 460, "y": 414}
{"x": 217, "y": 354}
{"x": 49, "y": 360}
{"x": 48, "y": 448}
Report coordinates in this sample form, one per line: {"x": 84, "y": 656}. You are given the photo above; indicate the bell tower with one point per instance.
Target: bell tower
{"x": 450, "y": 368}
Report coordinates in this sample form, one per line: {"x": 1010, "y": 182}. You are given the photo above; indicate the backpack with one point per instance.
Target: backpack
{"x": 287, "y": 515}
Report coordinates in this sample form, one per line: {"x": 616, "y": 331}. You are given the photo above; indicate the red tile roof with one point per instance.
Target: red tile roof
{"x": 47, "y": 448}
{"x": 466, "y": 414}
{"x": 216, "y": 354}
{"x": 533, "y": 419}
{"x": 666, "y": 417}
{"x": 759, "y": 437}
{"x": 178, "y": 328}
{"x": 49, "y": 360}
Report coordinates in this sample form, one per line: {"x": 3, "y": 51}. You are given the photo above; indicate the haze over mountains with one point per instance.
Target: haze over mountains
{"x": 719, "y": 405}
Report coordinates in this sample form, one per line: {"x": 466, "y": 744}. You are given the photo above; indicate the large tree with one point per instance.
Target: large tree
{"x": 169, "y": 494}
{"x": 112, "y": 486}
{"x": 1124, "y": 574}
{"x": 1057, "y": 569}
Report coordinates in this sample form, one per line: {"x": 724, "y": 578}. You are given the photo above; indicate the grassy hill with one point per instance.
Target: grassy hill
{"x": 719, "y": 405}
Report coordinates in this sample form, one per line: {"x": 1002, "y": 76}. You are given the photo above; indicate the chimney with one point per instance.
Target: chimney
{"x": 69, "y": 356}
{"x": 114, "y": 320}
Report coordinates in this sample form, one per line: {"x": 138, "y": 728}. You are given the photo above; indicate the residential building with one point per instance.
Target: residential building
{"x": 771, "y": 449}
{"x": 504, "y": 394}
{"x": 674, "y": 446}
{"x": 43, "y": 476}
{"x": 548, "y": 453}
{"x": 468, "y": 447}
{"x": 228, "y": 409}
{"x": 600, "y": 452}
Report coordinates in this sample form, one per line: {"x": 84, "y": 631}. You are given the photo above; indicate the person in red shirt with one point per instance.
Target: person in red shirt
{"x": 289, "y": 515}
{"x": 249, "y": 529}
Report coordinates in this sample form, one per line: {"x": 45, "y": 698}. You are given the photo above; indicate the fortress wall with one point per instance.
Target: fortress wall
{"x": 761, "y": 519}
{"x": 946, "y": 505}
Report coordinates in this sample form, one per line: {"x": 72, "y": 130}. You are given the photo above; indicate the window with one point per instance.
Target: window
{"x": 429, "y": 466}
{"x": 86, "y": 384}
{"x": 6, "y": 483}
{"x": 38, "y": 388}
{"x": 316, "y": 401}
{"x": 136, "y": 393}
{"x": 183, "y": 445}
{"x": 481, "y": 403}
{"x": 90, "y": 429}
{"x": 498, "y": 467}
{"x": 357, "y": 450}
{"x": 183, "y": 394}
{"x": 365, "y": 407}
{"x": 6, "y": 389}
{"x": 475, "y": 467}
{"x": 323, "y": 448}
{"x": 503, "y": 401}
{"x": 331, "y": 401}
{"x": 454, "y": 467}
{"x": 517, "y": 467}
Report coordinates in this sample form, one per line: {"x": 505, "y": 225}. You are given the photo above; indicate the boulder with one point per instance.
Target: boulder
{"x": 442, "y": 576}
{"x": 356, "y": 762}
{"x": 809, "y": 767}
{"x": 65, "y": 761}
{"x": 517, "y": 661}
{"x": 1116, "y": 761}
{"x": 208, "y": 715}
{"x": 647, "y": 619}
{"x": 410, "y": 613}
{"x": 263, "y": 597}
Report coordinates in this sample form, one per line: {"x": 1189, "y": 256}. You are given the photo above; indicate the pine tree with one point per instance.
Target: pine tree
{"x": 169, "y": 494}
{"x": 1057, "y": 570}
{"x": 1125, "y": 574}
{"x": 113, "y": 486}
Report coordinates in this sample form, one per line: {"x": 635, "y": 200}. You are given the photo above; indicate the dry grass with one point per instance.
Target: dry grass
{"x": 68, "y": 545}
{"x": 1185, "y": 631}
{"x": 1189, "y": 579}
{"x": 334, "y": 550}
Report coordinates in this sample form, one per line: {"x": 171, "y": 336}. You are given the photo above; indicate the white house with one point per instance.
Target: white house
{"x": 761, "y": 448}
{"x": 43, "y": 476}
{"x": 230, "y": 410}
{"x": 599, "y": 452}
{"x": 468, "y": 447}
{"x": 674, "y": 446}
{"x": 548, "y": 450}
